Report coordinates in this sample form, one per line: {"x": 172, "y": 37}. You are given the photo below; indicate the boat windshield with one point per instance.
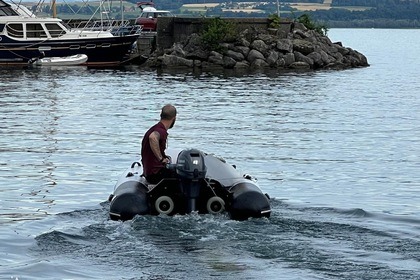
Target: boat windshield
{"x": 66, "y": 25}
{"x": 55, "y": 29}
{"x": 6, "y": 10}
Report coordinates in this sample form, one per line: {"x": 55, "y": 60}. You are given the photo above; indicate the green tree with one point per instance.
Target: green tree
{"x": 216, "y": 31}
{"x": 306, "y": 20}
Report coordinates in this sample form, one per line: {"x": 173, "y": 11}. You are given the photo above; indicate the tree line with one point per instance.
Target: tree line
{"x": 378, "y": 13}
{"x": 404, "y": 15}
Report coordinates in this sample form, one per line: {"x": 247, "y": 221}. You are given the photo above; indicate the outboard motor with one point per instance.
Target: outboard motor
{"x": 191, "y": 169}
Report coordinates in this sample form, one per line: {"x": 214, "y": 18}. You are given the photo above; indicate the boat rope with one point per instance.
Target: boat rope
{"x": 18, "y": 55}
{"x": 24, "y": 47}
{"x": 211, "y": 188}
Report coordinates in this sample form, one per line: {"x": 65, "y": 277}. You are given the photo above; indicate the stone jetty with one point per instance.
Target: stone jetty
{"x": 298, "y": 48}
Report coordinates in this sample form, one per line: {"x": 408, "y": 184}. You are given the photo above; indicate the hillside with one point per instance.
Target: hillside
{"x": 332, "y": 13}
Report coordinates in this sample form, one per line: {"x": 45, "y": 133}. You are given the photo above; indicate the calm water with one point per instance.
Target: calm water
{"x": 337, "y": 151}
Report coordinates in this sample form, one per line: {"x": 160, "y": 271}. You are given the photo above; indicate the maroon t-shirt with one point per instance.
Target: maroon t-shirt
{"x": 151, "y": 164}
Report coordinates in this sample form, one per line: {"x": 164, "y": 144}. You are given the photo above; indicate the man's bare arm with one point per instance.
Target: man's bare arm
{"x": 154, "y": 138}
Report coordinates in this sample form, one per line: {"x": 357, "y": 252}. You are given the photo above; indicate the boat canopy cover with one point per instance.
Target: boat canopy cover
{"x": 221, "y": 171}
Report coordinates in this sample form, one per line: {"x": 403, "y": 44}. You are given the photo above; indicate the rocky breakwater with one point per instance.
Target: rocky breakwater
{"x": 298, "y": 48}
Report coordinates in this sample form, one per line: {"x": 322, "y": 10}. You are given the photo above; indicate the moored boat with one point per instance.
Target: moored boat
{"x": 23, "y": 36}
{"x": 149, "y": 16}
{"x": 203, "y": 183}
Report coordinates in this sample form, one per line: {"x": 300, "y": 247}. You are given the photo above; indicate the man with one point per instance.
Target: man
{"x": 153, "y": 147}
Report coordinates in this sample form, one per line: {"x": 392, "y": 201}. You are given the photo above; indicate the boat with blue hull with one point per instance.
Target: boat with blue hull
{"x": 24, "y": 36}
{"x": 203, "y": 183}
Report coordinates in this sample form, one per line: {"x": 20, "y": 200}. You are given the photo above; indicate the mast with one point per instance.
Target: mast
{"x": 122, "y": 12}
{"x": 54, "y": 8}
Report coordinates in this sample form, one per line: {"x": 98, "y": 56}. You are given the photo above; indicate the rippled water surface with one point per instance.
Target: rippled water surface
{"x": 337, "y": 151}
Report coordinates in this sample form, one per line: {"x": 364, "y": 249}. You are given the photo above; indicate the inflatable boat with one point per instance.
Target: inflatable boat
{"x": 202, "y": 183}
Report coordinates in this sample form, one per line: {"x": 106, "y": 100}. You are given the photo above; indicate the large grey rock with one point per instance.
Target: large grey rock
{"x": 338, "y": 57}
{"x": 216, "y": 58}
{"x": 299, "y": 57}
{"x": 289, "y": 58}
{"x": 325, "y": 40}
{"x": 278, "y": 33}
{"x": 299, "y": 26}
{"x": 303, "y": 46}
{"x": 299, "y": 34}
{"x": 241, "y": 65}
{"x": 358, "y": 57}
{"x": 259, "y": 63}
{"x": 243, "y": 42}
{"x": 266, "y": 38}
{"x": 243, "y": 50}
{"x": 175, "y": 61}
{"x": 197, "y": 54}
{"x": 343, "y": 51}
{"x": 285, "y": 45}
{"x": 259, "y": 45}
{"x": 254, "y": 55}
{"x": 300, "y": 65}
{"x": 217, "y": 54}
{"x": 235, "y": 55}
{"x": 272, "y": 58}
{"x": 324, "y": 57}
{"x": 316, "y": 58}
{"x": 228, "y": 62}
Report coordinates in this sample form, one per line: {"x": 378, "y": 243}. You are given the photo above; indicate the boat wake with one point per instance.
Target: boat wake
{"x": 306, "y": 242}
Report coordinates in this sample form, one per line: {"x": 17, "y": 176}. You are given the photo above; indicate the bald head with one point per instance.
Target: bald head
{"x": 168, "y": 112}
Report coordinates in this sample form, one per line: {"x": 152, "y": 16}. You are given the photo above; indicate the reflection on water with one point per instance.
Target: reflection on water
{"x": 67, "y": 134}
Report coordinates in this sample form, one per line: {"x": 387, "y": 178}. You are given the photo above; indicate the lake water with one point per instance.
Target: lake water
{"x": 337, "y": 151}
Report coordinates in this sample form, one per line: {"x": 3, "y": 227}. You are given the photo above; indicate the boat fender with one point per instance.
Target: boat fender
{"x": 215, "y": 205}
{"x": 164, "y": 205}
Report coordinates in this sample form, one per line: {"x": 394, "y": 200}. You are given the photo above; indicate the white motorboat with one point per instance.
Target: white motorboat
{"x": 72, "y": 60}
{"x": 24, "y": 37}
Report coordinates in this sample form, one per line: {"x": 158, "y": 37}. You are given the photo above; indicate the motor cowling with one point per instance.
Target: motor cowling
{"x": 190, "y": 165}
{"x": 191, "y": 170}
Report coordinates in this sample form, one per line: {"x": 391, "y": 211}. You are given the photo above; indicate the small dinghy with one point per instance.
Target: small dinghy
{"x": 72, "y": 60}
{"x": 204, "y": 183}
